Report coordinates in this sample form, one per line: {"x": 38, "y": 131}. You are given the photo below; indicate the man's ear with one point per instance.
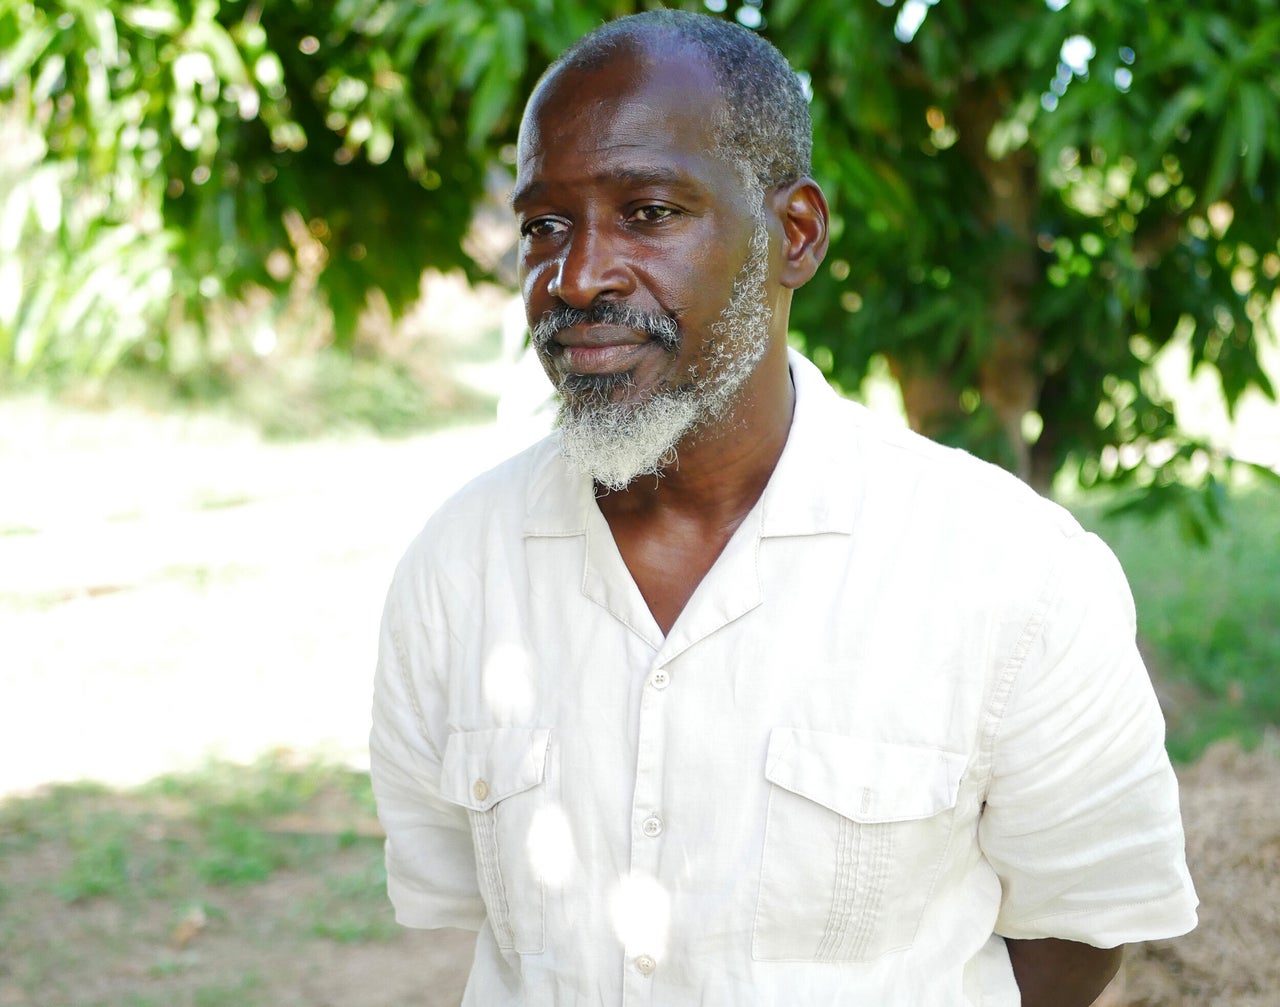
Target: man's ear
{"x": 802, "y": 209}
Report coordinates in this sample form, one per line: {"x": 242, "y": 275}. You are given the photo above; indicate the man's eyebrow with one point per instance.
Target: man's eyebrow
{"x": 638, "y": 176}
{"x": 525, "y": 193}
{"x": 654, "y": 176}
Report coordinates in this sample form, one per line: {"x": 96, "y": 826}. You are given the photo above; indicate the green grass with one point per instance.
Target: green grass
{"x": 333, "y": 392}
{"x": 238, "y": 994}
{"x": 345, "y": 912}
{"x": 216, "y": 827}
{"x": 289, "y": 397}
{"x": 1209, "y": 615}
{"x": 302, "y": 396}
{"x": 280, "y": 852}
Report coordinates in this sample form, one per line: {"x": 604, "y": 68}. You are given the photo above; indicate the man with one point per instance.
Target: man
{"x": 727, "y": 694}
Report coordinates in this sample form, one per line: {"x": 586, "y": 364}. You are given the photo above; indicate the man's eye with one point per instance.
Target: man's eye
{"x": 541, "y": 227}
{"x": 652, "y": 214}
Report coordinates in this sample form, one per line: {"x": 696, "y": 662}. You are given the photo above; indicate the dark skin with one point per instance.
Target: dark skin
{"x": 621, "y": 196}
{"x": 621, "y": 200}
{"x": 1056, "y": 973}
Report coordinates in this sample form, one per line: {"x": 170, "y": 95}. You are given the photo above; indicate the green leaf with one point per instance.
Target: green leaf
{"x": 488, "y": 103}
{"x": 1226, "y": 158}
{"x": 479, "y": 58}
{"x": 222, "y": 49}
{"x": 1263, "y": 472}
{"x": 1255, "y": 104}
{"x": 22, "y": 58}
{"x": 1180, "y": 108}
{"x": 151, "y": 18}
{"x": 1004, "y": 48}
{"x": 424, "y": 25}
{"x": 510, "y": 26}
{"x": 50, "y": 78}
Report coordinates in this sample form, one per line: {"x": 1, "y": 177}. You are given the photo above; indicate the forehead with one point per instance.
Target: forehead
{"x": 638, "y": 107}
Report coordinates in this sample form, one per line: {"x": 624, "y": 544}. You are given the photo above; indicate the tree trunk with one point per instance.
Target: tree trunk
{"x": 1008, "y": 377}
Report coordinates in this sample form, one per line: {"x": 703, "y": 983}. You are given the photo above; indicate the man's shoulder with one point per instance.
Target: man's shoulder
{"x": 909, "y": 474}
{"x": 949, "y": 486}
{"x": 495, "y": 501}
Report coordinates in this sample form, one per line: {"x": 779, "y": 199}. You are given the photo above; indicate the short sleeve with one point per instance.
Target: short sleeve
{"x": 1081, "y": 821}
{"x": 431, "y": 870}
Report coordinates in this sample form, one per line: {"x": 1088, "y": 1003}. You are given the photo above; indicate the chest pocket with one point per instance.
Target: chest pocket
{"x": 498, "y": 776}
{"x": 855, "y": 834}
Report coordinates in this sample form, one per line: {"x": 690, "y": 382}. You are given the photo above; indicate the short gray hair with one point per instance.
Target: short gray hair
{"x": 766, "y": 128}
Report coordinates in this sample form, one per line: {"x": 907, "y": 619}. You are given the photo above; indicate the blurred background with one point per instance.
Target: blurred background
{"x": 258, "y": 317}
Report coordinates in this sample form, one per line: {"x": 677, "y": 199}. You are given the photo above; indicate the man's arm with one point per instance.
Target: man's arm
{"x": 1081, "y": 821}
{"x": 1057, "y": 973}
{"x": 431, "y": 869}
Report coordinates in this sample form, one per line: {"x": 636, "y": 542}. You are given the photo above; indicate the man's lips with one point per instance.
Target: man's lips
{"x": 598, "y": 349}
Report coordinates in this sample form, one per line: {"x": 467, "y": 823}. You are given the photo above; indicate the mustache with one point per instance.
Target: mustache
{"x": 663, "y": 329}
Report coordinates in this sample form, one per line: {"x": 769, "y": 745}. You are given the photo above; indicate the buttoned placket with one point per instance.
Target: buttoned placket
{"x": 648, "y": 812}
{"x": 730, "y": 589}
{"x": 647, "y": 824}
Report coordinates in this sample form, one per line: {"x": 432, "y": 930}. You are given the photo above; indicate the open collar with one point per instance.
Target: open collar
{"x": 816, "y": 486}
{"x": 814, "y": 489}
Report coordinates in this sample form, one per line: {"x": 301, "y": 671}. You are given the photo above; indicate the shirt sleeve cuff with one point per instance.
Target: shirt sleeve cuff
{"x": 1171, "y": 916}
{"x": 421, "y": 911}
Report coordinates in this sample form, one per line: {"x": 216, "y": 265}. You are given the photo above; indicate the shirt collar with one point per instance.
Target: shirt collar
{"x": 560, "y": 498}
{"x": 814, "y": 488}
{"x": 816, "y": 485}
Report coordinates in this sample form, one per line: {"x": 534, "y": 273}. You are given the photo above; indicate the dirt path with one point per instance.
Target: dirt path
{"x": 172, "y": 588}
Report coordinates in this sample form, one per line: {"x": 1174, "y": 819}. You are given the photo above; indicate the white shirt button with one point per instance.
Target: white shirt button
{"x": 651, "y": 826}
{"x": 645, "y": 965}
{"x": 660, "y": 679}
{"x": 480, "y": 790}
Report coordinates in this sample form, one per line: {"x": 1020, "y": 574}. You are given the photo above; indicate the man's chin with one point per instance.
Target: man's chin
{"x": 616, "y": 443}
{"x": 583, "y": 391}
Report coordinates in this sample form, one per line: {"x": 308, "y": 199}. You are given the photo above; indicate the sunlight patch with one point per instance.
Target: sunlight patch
{"x": 508, "y": 684}
{"x": 641, "y": 911}
{"x": 550, "y": 846}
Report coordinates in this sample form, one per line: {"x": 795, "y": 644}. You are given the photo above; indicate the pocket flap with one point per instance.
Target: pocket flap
{"x": 481, "y": 768}
{"x": 866, "y": 781}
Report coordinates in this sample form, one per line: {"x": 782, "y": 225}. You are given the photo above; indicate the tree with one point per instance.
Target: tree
{"x": 239, "y": 142}
{"x": 1033, "y": 201}
{"x": 1030, "y": 200}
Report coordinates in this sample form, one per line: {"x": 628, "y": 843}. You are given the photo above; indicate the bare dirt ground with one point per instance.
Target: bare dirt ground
{"x": 1231, "y": 813}
{"x": 173, "y": 588}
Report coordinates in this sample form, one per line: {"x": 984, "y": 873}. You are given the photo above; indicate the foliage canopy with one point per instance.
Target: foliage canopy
{"x": 1030, "y": 200}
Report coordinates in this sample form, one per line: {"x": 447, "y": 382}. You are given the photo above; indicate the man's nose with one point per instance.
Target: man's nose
{"x": 590, "y": 266}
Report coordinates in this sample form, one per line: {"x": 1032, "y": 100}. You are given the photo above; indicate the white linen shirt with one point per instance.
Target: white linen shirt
{"x": 902, "y": 716}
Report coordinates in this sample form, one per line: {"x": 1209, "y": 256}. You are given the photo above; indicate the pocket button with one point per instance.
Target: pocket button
{"x": 480, "y": 790}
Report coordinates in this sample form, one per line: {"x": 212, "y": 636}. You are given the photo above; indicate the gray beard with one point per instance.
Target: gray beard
{"x": 616, "y": 443}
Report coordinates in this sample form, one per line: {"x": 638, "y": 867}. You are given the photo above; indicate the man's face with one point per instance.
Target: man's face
{"x": 644, "y": 260}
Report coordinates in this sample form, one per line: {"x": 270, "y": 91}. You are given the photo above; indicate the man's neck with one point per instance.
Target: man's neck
{"x": 719, "y": 472}
{"x": 671, "y": 529}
